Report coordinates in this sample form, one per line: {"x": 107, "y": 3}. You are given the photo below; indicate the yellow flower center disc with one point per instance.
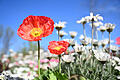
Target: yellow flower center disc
{"x": 35, "y": 32}
{"x": 58, "y": 47}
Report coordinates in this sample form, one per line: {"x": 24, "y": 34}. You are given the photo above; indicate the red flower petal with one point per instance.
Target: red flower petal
{"x": 45, "y": 24}
{"x": 118, "y": 40}
{"x": 58, "y": 47}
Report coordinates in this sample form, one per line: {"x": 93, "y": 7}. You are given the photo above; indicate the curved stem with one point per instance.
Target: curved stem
{"x": 39, "y": 59}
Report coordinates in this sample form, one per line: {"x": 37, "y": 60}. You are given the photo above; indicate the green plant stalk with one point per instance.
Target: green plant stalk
{"x": 59, "y": 63}
{"x": 92, "y": 36}
{"x": 109, "y": 44}
{"x": 111, "y": 55}
{"x": 58, "y": 35}
{"x": 68, "y": 71}
{"x": 92, "y": 45}
{"x": 39, "y": 59}
{"x": 84, "y": 31}
{"x": 59, "y": 56}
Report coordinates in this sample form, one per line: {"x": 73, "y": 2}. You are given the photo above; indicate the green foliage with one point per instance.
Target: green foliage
{"x": 51, "y": 75}
{"x": 91, "y": 69}
{"x": 82, "y": 78}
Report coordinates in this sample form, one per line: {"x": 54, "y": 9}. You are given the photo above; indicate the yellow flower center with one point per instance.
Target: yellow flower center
{"x": 35, "y": 32}
{"x": 58, "y": 47}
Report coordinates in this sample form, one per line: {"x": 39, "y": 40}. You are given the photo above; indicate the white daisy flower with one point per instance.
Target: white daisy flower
{"x": 81, "y": 37}
{"x": 114, "y": 48}
{"x": 117, "y": 67}
{"x": 79, "y": 48}
{"x": 82, "y": 21}
{"x": 68, "y": 58}
{"x": 62, "y": 33}
{"x": 59, "y": 25}
{"x": 96, "y": 24}
{"x": 73, "y": 34}
{"x": 93, "y": 18}
{"x": 101, "y": 56}
{"x": 102, "y": 28}
{"x": 109, "y": 27}
{"x": 104, "y": 42}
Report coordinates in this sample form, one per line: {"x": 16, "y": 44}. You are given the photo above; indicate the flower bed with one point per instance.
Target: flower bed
{"x": 91, "y": 59}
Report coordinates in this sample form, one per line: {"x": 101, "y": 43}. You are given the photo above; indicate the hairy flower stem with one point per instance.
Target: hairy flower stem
{"x": 110, "y": 55}
{"x": 59, "y": 63}
{"x": 84, "y": 31}
{"x": 59, "y": 56}
{"x": 68, "y": 71}
{"x": 92, "y": 35}
{"x": 58, "y": 35}
{"x": 109, "y": 45}
{"x": 92, "y": 61}
{"x": 39, "y": 59}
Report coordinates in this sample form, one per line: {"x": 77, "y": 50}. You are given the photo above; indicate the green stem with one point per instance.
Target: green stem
{"x": 84, "y": 31}
{"x": 92, "y": 36}
{"x": 59, "y": 63}
{"x": 59, "y": 56}
{"x": 58, "y": 35}
{"x": 39, "y": 59}
{"x": 109, "y": 44}
{"x": 92, "y": 41}
{"x": 68, "y": 71}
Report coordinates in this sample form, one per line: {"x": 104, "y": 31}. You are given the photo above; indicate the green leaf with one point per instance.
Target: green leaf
{"x": 61, "y": 76}
{"x": 52, "y": 77}
{"x": 36, "y": 78}
{"x": 82, "y": 78}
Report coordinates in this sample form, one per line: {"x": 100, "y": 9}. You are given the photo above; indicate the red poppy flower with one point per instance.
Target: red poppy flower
{"x": 118, "y": 40}
{"x": 58, "y": 47}
{"x": 34, "y": 28}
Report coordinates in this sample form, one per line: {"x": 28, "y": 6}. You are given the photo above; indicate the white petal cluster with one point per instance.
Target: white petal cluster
{"x": 73, "y": 33}
{"x": 60, "y": 24}
{"x": 104, "y": 42}
{"x": 71, "y": 41}
{"x": 109, "y": 27}
{"x": 81, "y": 37}
{"x": 79, "y": 48}
{"x": 116, "y": 59}
{"x": 94, "y": 18}
{"x": 101, "y": 56}
{"x": 114, "y": 48}
{"x": 86, "y": 40}
{"x": 117, "y": 67}
{"x": 82, "y": 21}
{"x": 68, "y": 58}
{"x": 96, "y": 24}
{"x": 62, "y": 33}
{"x": 53, "y": 64}
{"x": 102, "y": 28}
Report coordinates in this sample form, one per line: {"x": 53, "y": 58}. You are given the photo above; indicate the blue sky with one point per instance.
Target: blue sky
{"x": 13, "y": 12}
